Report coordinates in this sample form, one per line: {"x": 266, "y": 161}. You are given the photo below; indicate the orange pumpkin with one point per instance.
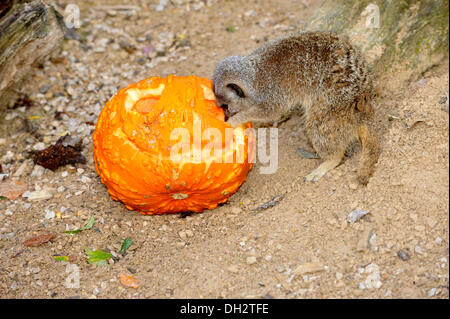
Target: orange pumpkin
{"x": 139, "y": 132}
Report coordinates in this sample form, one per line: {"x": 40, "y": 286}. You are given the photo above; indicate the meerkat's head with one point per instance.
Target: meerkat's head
{"x": 233, "y": 86}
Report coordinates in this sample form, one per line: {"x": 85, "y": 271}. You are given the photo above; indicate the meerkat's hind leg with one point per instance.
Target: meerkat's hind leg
{"x": 370, "y": 153}
{"x": 323, "y": 168}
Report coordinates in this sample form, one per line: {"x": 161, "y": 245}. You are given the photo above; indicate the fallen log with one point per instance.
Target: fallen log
{"x": 29, "y": 31}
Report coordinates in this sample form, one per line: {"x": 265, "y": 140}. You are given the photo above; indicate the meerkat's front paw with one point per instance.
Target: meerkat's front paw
{"x": 315, "y": 175}
{"x": 323, "y": 168}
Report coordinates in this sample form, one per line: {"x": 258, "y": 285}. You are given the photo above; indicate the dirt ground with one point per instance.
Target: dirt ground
{"x": 303, "y": 247}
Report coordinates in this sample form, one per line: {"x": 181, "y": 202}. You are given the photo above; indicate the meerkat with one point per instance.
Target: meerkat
{"x": 317, "y": 74}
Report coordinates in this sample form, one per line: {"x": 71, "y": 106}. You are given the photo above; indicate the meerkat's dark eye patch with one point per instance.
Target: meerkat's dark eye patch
{"x": 236, "y": 89}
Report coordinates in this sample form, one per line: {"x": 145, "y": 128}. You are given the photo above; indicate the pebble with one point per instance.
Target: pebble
{"x": 251, "y": 260}
{"x": 308, "y": 268}
{"x": 373, "y": 280}
{"x": 403, "y": 254}
{"x": 49, "y": 214}
{"x": 355, "y": 215}
{"x": 268, "y": 258}
{"x": 38, "y": 171}
{"x": 39, "y": 146}
{"x": 431, "y": 292}
{"x": 91, "y": 87}
{"x": 353, "y": 186}
{"x": 418, "y": 250}
{"x": 39, "y": 195}
{"x": 10, "y": 235}
{"x": 233, "y": 268}
{"x": 182, "y": 234}
{"x": 21, "y": 170}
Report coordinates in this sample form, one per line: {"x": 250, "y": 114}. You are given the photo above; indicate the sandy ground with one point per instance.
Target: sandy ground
{"x": 303, "y": 247}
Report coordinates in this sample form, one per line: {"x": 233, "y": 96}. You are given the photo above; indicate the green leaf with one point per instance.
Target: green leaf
{"x": 61, "y": 258}
{"x": 3, "y": 198}
{"x": 230, "y": 28}
{"x": 97, "y": 257}
{"x": 126, "y": 244}
{"x": 86, "y": 227}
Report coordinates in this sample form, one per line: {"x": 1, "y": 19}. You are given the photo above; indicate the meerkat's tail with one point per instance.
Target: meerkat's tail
{"x": 370, "y": 153}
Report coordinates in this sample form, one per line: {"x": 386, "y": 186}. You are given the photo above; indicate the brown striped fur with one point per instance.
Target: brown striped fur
{"x": 319, "y": 74}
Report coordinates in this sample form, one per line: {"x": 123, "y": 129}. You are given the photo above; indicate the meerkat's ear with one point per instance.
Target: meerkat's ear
{"x": 237, "y": 89}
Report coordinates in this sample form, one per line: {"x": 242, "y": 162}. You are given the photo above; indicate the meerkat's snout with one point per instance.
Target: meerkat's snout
{"x": 228, "y": 99}
{"x": 227, "y": 113}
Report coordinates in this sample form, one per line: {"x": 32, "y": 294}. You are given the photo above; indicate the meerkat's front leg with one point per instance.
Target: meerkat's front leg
{"x": 330, "y": 135}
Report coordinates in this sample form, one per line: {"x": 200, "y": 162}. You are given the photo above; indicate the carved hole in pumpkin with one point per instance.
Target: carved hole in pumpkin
{"x": 184, "y": 117}
{"x": 145, "y": 105}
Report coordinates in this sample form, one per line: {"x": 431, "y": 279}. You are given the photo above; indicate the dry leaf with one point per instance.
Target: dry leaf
{"x": 129, "y": 281}
{"x": 12, "y": 190}
{"x": 38, "y": 240}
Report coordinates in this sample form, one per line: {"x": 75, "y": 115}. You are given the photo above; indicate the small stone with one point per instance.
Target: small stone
{"x": 189, "y": 233}
{"x": 308, "y": 268}
{"x": 403, "y": 254}
{"x": 181, "y": 244}
{"x": 431, "y": 292}
{"x": 38, "y": 171}
{"x": 182, "y": 234}
{"x": 39, "y": 146}
{"x": 373, "y": 280}
{"x": 21, "y": 170}
{"x": 91, "y": 87}
{"x": 251, "y": 260}
{"x": 268, "y": 258}
{"x": 353, "y": 186}
{"x": 233, "y": 268}
{"x": 10, "y": 235}
{"x": 438, "y": 240}
{"x": 43, "y": 89}
{"x": 355, "y": 215}
{"x": 49, "y": 214}
{"x": 39, "y": 195}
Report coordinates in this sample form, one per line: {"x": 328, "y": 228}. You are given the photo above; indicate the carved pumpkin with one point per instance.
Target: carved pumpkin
{"x": 145, "y": 160}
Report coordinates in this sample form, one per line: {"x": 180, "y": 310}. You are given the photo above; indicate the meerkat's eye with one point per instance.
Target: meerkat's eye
{"x": 236, "y": 89}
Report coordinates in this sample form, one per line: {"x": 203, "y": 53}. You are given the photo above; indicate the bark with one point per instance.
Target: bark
{"x": 29, "y": 30}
